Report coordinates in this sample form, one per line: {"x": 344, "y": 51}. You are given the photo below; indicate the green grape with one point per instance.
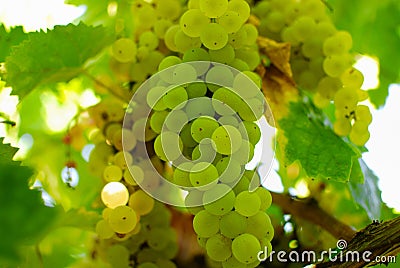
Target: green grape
{"x": 146, "y": 256}
{"x": 198, "y": 54}
{"x": 118, "y": 256}
{"x": 260, "y": 225}
{"x": 205, "y": 224}
{"x": 194, "y": 4}
{"x": 250, "y": 56}
{"x": 213, "y": 8}
{"x": 181, "y": 174}
{"x": 241, "y": 7}
{"x": 148, "y": 39}
{"x": 231, "y": 21}
{"x": 145, "y": 14}
{"x": 158, "y": 238}
{"x": 165, "y": 263}
{"x": 238, "y": 39}
{"x": 228, "y": 120}
{"x": 167, "y": 62}
{"x": 142, "y": 53}
{"x": 358, "y": 138}
{"x": 339, "y": 43}
{"x": 228, "y": 97}
{"x": 275, "y": 21}
{"x": 352, "y": 78}
{"x": 312, "y": 47}
{"x": 168, "y": 146}
{"x": 251, "y": 33}
{"x": 124, "y": 50}
{"x": 141, "y": 202}
{"x": 335, "y": 65}
{"x": 224, "y": 55}
{"x": 346, "y": 99}
{"x": 152, "y": 61}
{"x": 184, "y": 73}
{"x": 324, "y": 30}
{"x": 186, "y": 136}
{"x": 342, "y": 127}
{"x": 203, "y": 173}
{"x": 184, "y": 42}
{"x": 229, "y": 169}
{"x": 174, "y": 97}
{"x": 241, "y": 185}
{"x": 112, "y": 173}
{"x": 123, "y": 219}
{"x": 169, "y": 38}
{"x": 247, "y": 85}
{"x": 363, "y": 114}
{"x": 250, "y": 131}
{"x": 233, "y": 224}
{"x": 104, "y": 230}
{"x": 193, "y": 22}
{"x": 245, "y": 153}
{"x": 240, "y": 65}
{"x": 192, "y": 202}
{"x": 328, "y": 86}
{"x": 303, "y": 28}
{"x": 196, "y": 90}
{"x": 227, "y": 139}
{"x": 265, "y": 197}
{"x": 175, "y": 121}
{"x": 203, "y": 127}
{"x": 157, "y": 120}
{"x": 204, "y": 152}
{"x": 247, "y": 204}
{"x": 155, "y": 98}
{"x": 245, "y": 248}
{"x": 261, "y": 9}
{"x": 142, "y": 131}
{"x": 219, "y": 76}
{"x": 219, "y": 200}
{"x": 133, "y": 175}
{"x": 232, "y": 262}
{"x": 168, "y": 9}
{"x": 198, "y": 107}
{"x": 219, "y": 247}
{"x": 214, "y": 36}
{"x": 123, "y": 159}
{"x": 114, "y": 194}
{"x": 202, "y": 241}
{"x": 161, "y": 27}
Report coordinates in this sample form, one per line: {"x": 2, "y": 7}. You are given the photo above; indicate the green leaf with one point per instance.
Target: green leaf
{"x": 321, "y": 153}
{"x": 55, "y": 56}
{"x": 23, "y": 216}
{"x": 367, "y": 194}
{"x": 373, "y": 26}
{"x": 10, "y": 38}
{"x": 7, "y": 153}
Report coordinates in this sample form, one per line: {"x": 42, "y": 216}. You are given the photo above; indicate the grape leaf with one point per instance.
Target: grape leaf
{"x": 322, "y": 154}
{"x": 10, "y": 38}
{"x": 367, "y": 194}
{"x": 373, "y": 27}
{"x": 23, "y": 216}
{"x": 7, "y": 153}
{"x": 58, "y": 55}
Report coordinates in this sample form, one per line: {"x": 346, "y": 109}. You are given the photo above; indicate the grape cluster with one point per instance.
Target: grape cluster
{"x": 321, "y": 60}
{"x": 217, "y": 26}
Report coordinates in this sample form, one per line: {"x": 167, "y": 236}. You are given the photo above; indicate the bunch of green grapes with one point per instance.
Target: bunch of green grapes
{"x": 219, "y": 27}
{"x": 321, "y": 60}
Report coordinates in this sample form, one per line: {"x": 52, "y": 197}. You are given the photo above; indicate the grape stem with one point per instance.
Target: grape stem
{"x": 308, "y": 209}
{"x": 8, "y": 122}
{"x": 109, "y": 89}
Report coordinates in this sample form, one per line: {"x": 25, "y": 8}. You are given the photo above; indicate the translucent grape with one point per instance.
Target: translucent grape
{"x": 204, "y": 152}
{"x": 224, "y": 55}
{"x": 352, "y": 78}
{"x": 247, "y": 204}
{"x": 158, "y": 238}
{"x": 363, "y": 114}
{"x": 213, "y": 8}
{"x": 155, "y": 98}
{"x": 214, "y": 36}
{"x": 232, "y": 262}
{"x": 104, "y": 230}
{"x": 186, "y": 136}
{"x": 250, "y": 56}
{"x": 118, "y": 256}
{"x": 265, "y": 197}
{"x": 114, "y": 194}
{"x": 231, "y": 21}
{"x": 124, "y": 50}
{"x": 198, "y": 107}
{"x": 184, "y": 42}
{"x": 122, "y": 219}
{"x": 174, "y": 97}
{"x": 241, "y": 7}
{"x": 148, "y": 39}
{"x": 205, "y": 224}
{"x": 339, "y": 43}
{"x": 181, "y": 174}
{"x": 229, "y": 170}
{"x": 342, "y": 127}
{"x": 238, "y": 39}
{"x": 233, "y": 224}
{"x": 168, "y": 9}
{"x": 196, "y": 90}
{"x": 203, "y": 173}
{"x": 250, "y": 131}
{"x": 157, "y": 120}
{"x": 168, "y": 146}
{"x": 219, "y": 247}
{"x": 176, "y": 120}
{"x": 227, "y": 139}
{"x": 219, "y": 200}
{"x": 346, "y": 99}
{"x": 193, "y": 22}
{"x": 184, "y": 73}
{"x": 245, "y": 248}
{"x": 161, "y": 27}
{"x": 203, "y": 127}
{"x": 335, "y": 65}
{"x": 112, "y": 173}
{"x": 141, "y": 202}
{"x": 260, "y": 225}
{"x": 169, "y": 38}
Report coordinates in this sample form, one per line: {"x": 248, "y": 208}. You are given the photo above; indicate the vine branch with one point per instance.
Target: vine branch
{"x": 308, "y": 209}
